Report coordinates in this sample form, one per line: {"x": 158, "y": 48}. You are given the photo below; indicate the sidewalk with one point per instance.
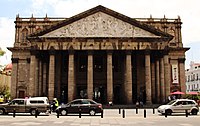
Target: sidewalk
{"x": 130, "y": 106}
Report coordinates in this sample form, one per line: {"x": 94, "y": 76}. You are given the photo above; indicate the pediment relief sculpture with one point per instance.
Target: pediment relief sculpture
{"x": 99, "y": 25}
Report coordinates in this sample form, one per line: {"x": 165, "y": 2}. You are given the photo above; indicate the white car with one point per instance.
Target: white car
{"x": 179, "y": 106}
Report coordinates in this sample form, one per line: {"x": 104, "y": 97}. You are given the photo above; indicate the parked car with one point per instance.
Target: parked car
{"x": 179, "y": 106}
{"x": 80, "y": 105}
{"x": 26, "y": 105}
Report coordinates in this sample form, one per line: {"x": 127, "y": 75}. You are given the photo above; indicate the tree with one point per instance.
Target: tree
{"x": 2, "y": 52}
{"x": 4, "y": 90}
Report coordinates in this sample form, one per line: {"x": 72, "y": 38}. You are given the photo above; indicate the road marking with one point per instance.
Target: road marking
{"x": 26, "y": 124}
{"x": 59, "y": 122}
{"x": 185, "y": 124}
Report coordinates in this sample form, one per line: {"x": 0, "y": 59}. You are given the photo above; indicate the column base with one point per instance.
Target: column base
{"x": 148, "y": 102}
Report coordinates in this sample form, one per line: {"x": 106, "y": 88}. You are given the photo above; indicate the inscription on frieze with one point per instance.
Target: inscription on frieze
{"x": 104, "y": 45}
{"x": 99, "y": 25}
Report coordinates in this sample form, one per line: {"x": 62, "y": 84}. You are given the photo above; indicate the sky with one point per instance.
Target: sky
{"x": 188, "y": 10}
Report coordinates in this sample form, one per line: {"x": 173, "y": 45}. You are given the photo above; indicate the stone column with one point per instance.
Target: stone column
{"x": 182, "y": 74}
{"x": 31, "y": 89}
{"x": 138, "y": 75}
{"x": 128, "y": 79}
{"x": 158, "y": 80}
{"x": 40, "y": 78}
{"x": 167, "y": 76}
{"x": 44, "y": 82}
{"x": 58, "y": 75}
{"x": 109, "y": 77}
{"x": 71, "y": 81}
{"x": 90, "y": 76}
{"x": 153, "y": 82}
{"x": 14, "y": 76}
{"x": 51, "y": 81}
{"x": 162, "y": 81}
{"x": 148, "y": 78}
{"x": 36, "y": 77}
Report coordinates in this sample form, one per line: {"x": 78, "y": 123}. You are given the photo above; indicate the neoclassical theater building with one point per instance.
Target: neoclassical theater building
{"x": 98, "y": 54}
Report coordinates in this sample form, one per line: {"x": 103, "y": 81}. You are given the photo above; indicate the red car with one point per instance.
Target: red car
{"x": 80, "y": 105}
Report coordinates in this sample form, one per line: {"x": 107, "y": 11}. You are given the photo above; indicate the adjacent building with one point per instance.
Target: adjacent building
{"x": 192, "y": 76}
{"x": 98, "y": 54}
{"x": 5, "y": 82}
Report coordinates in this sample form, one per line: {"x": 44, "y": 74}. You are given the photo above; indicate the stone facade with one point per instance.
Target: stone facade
{"x": 98, "y": 54}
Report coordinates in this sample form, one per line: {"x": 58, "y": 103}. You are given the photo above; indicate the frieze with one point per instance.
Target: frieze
{"x": 99, "y": 25}
{"x": 104, "y": 45}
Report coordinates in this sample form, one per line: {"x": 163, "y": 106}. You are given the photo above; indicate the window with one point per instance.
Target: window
{"x": 190, "y": 103}
{"x": 24, "y": 35}
{"x": 85, "y": 102}
{"x": 17, "y": 102}
{"x": 76, "y": 102}
{"x": 36, "y": 101}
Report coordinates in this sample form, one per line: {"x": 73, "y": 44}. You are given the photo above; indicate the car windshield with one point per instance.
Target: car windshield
{"x": 171, "y": 102}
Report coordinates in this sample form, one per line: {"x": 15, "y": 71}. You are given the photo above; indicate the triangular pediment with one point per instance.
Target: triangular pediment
{"x": 101, "y": 22}
{"x": 99, "y": 25}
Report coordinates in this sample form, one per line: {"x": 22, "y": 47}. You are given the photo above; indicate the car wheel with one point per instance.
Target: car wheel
{"x": 194, "y": 112}
{"x": 33, "y": 112}
{"x": 168, "y": 112}
{"x": 92, "y": 112}
{"x": 63, "y": 112}
{"x": 1, "y": 111}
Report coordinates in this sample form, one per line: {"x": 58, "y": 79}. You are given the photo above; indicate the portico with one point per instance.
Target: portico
{"x": 99, "y": 54}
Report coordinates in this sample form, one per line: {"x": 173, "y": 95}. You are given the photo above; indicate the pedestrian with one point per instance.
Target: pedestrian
{"x": 1, "y": 99}
{"x": 55, "y": 104}
{"x": 137, "y": 104}
{"x": 169, "y": 98}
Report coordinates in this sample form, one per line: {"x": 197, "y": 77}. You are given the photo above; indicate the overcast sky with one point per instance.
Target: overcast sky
{"x": 188, "y": 10}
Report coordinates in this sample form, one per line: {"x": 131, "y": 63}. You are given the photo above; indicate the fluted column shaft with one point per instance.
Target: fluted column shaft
{"x": 109, "y": 77}
{"x": 148, "y": 79}
{"x": 158, "y": 80}
{"x": 71, "y": 81}
{"x": 162, "y": 80}
{"x": 90, "y": 76}
{"x": 31, "y": 89}
{"x": 51, "y": 80}
{"x": 167, "y": 76}
{"x": 128, "y": 79}
{"x": 182, "y": 74}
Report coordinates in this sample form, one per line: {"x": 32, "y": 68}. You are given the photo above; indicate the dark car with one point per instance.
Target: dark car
{"x": 80, "y": 105}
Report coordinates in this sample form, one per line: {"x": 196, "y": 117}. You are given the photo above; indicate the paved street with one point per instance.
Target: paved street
{"x": 111, "y": 118}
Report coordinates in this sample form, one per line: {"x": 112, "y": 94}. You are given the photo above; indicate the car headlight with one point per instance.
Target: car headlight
{"x": 58, "y": 107}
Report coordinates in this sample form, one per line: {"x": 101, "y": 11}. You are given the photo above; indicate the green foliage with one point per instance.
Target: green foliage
{"x": 2, "y": 52}
{"x": 4, "y": 90}
{"x": 194, "y": 97}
